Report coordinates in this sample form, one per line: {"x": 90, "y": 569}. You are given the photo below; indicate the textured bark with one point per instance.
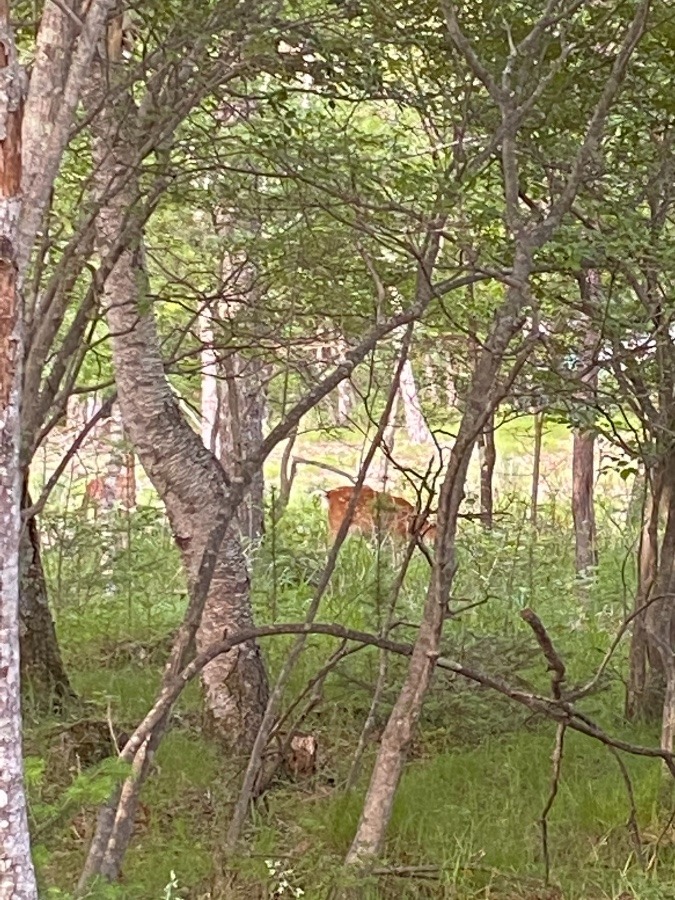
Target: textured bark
{"x": 582, "y": 500}
{"x": 52, "y": 100}
{"x": 47, "y": 81}
{"x": 583, "y": 509}
{"x": 17, "y": 878}
{"x": 42, "y": 669}
{"x": 185, "y": 474}
{"x": 57, "y": 75}
{"x": 487, "y": 454}
{"x": 210, "y": 399}
{"x": 659, "y": 616}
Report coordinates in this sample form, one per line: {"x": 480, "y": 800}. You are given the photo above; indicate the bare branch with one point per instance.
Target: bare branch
{"x": 555, "y": 663}
{"x": 555, "y": 782}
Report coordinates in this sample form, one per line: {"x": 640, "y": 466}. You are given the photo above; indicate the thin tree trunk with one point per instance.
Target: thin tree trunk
{"x": 417, "y": 428}
{"x": 345, "y": 392}
{"x": 381, "y": 472}
{"x": 287, "y": 475}
{"x": 42, "y": 668}
{"x": 646, "y": 696}
{"x": 242, "y": 414}
{"x": 17, "y": 878}
{"x": 536, "y": 467}
{"x": 640, "y": 700}
{"x": 583, "y": 449}
{"x": 185, "y": 474}
{"x": 488, "y": 458}
{"x": 658, "y": 617}
{"x": 583, "y": 510}
{"x": 210, "y": 405}
{"x": 345, "y": 402}
{"x": 57, "y": 74}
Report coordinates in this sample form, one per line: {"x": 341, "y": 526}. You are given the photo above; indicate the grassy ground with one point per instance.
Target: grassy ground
{"x": 466, "y": 820}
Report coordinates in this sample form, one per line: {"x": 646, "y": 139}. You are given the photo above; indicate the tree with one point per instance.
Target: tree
{"x": 17, "y": 879}
{"x": 186, "y": 475}
{"x": 59, "y": 69}
{"x": 528, "y": 234}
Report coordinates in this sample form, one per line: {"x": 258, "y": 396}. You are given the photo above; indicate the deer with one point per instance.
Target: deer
{"x": 117, "y": 486}
{"x": 377, "y": 514}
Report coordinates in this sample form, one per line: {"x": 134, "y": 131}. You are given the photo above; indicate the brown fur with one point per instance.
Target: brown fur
{"x": 376, "y": 514}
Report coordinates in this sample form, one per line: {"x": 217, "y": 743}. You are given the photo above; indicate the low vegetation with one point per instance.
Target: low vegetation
{"x": 467, "y": 817}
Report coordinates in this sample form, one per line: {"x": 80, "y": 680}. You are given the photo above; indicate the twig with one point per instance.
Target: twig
{"x": 632, "y": 823}
{"x": 555, "y": 783}
{"x": 555, "y": 663}
{"x": 590, "y": 685}
{"x": 426, "y": 872}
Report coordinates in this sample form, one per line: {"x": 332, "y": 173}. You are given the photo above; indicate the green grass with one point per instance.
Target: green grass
{"x": 479, "y": 771}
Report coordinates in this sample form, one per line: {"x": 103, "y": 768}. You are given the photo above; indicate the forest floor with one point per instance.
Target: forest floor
{"x": 467, "y": 818}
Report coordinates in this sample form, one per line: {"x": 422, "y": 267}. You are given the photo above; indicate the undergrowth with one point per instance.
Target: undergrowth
{"x": 466, "y": 821}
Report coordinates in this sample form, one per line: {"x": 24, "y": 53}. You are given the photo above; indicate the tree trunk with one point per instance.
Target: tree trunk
{"x": 583, "y": 450}
{"x": 287, "y": 475}
{"x": 381, "y": 471}
{"x": 345, "y": 392}
{"x": 42, "y": 668}
{"x": 17, "y": 878}
{"x": 487, "y": 457}
{"x": 242, "y": 413}
{"x": 583, "y": 510}
{"x": 417, "y": 428}
{"x": 185, "y": 474}
{"x": 536, "y": 467}
{"x": 658, "y": 617}
{"x": 643, "y": 697}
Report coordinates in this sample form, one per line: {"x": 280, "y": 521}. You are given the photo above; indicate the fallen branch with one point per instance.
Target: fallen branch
{"x": 560, "y": 711}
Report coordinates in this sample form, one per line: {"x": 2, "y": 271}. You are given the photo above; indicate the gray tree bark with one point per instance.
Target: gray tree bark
{"x": 17, "y": 878}
{"x": 185, "y": 474}
{"x": 56, "y": 79}
{"x": 242, "y": 412}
